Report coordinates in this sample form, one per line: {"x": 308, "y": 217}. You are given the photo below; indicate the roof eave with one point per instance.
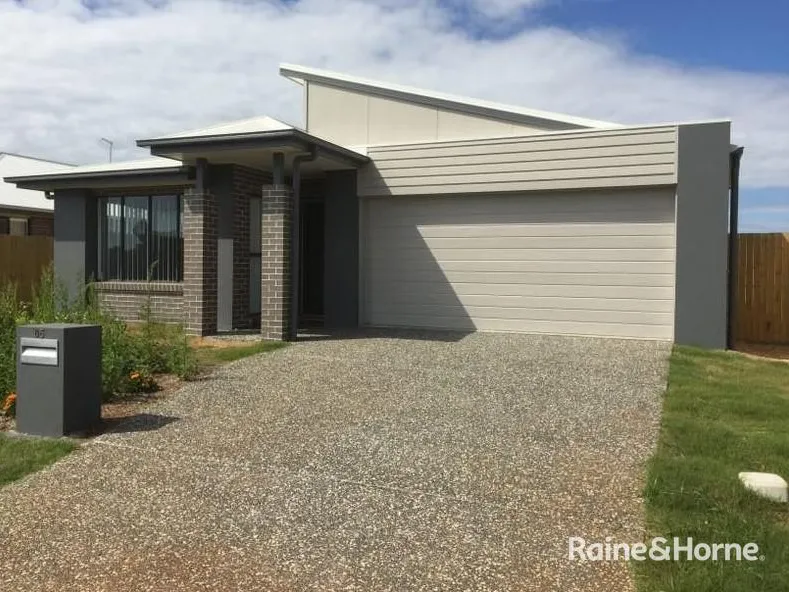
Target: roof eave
{"x": 201, "y": 140}
{"x": 24, "y": 208}
{"x": 285, "y": 138}
{"x": 66, "y": 180}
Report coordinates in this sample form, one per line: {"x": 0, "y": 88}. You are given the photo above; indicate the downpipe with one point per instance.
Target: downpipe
{"x": 734, "y": 215}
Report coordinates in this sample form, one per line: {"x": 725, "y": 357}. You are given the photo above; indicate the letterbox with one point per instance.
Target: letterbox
{"x": 58, "y": 378}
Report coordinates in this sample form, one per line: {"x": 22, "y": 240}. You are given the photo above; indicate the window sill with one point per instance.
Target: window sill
{"x": 140, "y": 287}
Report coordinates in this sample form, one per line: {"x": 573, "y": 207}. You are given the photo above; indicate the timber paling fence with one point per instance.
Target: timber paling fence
{"x": 761, "y": 313}
{"x": 22, "y": 259}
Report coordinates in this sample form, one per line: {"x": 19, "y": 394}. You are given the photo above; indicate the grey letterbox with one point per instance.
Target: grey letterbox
{"x": 58, "y": 378}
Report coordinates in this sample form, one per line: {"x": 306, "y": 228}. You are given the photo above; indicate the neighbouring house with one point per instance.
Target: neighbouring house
{"x": 25, "y": 211}
{"x": 398, "y": 207}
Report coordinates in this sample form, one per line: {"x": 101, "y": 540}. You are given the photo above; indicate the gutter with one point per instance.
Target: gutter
{"x": 734, "y": 212}
{"x": 66, "y": 176}
{"x": 295, "y": 236}
{"x": 295, "y": 137}
{"x": 200, "y": 140}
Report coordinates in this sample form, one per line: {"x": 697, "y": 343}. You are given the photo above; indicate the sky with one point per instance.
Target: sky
{"x": 74, "y": 71}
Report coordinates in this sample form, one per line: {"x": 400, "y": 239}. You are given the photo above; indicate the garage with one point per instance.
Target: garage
{"x": 577, "y": 263}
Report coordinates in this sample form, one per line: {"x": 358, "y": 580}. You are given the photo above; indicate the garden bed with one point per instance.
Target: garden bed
{"x": 141, "y": 362}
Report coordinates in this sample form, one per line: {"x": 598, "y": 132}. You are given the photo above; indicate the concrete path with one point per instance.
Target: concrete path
{"x": 419, "y": 462}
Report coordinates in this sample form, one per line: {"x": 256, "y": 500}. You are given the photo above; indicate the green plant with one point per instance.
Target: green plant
{"x": 9, "y": 311}
{"x": 163, "y": 348}
{"x": 117, "y": 359}
{"x": 142, "y": 351}
{"x": 180, "y": 357}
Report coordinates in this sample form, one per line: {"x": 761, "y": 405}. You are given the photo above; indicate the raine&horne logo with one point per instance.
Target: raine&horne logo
{"x": 660, "y": 549}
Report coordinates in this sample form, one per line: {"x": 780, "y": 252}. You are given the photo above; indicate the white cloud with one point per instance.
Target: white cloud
{"x": 499, "y": 9}
{"x": 126, "y": 69}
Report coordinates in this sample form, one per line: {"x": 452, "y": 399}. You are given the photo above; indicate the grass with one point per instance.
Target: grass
{"x": 20, "y": 456}
{"x": 208, "y": 357}
{"x": 724, "y": 413}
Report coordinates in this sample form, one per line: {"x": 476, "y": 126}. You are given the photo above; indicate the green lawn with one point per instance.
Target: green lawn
{"x": 20, "y": 456}
{"x": 724, "y": 413}
{"x": 212, "y": 356}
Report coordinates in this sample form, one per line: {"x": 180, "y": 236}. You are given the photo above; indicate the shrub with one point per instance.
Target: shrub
{"x": 130, "y": 356}
{"x": 9, "y": 312}
{"x": 181, "y": 359}
{"x": 117, "y": 359}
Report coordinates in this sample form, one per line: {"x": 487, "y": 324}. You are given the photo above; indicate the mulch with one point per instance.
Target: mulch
{"x": 118, "y": 410}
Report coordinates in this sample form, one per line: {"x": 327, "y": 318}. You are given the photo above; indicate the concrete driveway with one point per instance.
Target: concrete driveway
{"x": 414, "y": 462}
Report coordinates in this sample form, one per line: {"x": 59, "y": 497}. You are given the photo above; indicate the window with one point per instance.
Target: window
{"x": 141, "y": 235}
{"x": 17, "y": 226}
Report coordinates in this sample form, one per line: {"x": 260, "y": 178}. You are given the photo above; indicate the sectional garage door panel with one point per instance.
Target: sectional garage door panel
{"x": 586, "y": 263}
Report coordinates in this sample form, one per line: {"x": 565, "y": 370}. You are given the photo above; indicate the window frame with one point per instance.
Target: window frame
{"x": 102, "y": 201}
{"x": 18, "y": 221}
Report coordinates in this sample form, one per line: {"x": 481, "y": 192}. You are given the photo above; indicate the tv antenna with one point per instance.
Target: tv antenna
{"x": 109, "y": 144}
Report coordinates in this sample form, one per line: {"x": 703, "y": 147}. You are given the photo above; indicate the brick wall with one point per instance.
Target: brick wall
{"x": 247, "y": 184}
{"x": 275, "y": 285}
{"x": 127, "y": 299}
{"x": 200, "y": 262}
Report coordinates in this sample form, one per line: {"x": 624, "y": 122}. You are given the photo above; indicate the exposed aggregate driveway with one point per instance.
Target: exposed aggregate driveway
{"x": 385, "y": 462}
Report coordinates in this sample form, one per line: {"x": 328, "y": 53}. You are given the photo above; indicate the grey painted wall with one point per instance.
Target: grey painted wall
{"x": 702, "y": 234}
{"x": 220, "y": 183}
{"x": 341, "y": 272}
{"x": 76, "y": 239}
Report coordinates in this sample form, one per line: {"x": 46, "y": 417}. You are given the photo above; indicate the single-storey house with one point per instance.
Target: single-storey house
{"x": 399, "y": 207}
{"x": 23, "y": 211}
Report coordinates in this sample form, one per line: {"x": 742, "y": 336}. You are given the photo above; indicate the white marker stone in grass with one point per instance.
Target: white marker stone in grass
{"x": 767, "y": 485}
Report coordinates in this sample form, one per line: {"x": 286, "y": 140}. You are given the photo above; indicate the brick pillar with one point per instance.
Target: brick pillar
{"x": 275, "y": 287}
{"x": 200, "y": 262}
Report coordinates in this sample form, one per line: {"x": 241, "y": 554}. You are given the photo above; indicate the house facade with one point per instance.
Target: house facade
{"x": 397, "y": 207}
{"x": 24, "y": 211}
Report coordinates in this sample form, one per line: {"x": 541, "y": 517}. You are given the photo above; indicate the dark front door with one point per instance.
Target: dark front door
{"x": 311, "y": 279}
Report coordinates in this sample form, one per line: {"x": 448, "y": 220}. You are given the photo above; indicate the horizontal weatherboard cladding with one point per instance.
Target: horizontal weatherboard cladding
{"x": 576, "y": 160}
{"x": 586, "y": 263}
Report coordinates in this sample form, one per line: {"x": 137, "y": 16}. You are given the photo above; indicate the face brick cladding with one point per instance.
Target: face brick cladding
{"x": 276, "y": 208}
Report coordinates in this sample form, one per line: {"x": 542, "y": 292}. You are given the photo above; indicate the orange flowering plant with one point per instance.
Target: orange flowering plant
{"x": 140, "y": 382}
{"x": 9, "y": 405}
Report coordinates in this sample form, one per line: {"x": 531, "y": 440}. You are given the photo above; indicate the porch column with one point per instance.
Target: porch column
{"x": 76, "y": 240}
{"x": 275, "y": 277}
{"x": 200, "y": 262}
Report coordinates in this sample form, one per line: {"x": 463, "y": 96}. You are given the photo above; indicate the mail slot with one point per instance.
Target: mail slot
{"x": 58, "y": 378}
{"x": 38, "y": 351}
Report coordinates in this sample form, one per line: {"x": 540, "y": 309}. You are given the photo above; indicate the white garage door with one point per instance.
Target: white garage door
{"x": 586, "y": 263}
